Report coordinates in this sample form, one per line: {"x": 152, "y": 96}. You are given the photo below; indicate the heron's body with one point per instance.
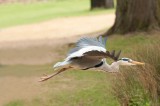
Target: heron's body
{"x": 77, "y": 58}
{"x": 90, "y": 53}
{"x": 85, "y": 63}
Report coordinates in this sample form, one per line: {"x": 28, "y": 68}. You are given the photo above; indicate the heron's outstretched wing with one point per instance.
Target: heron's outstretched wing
{"x": 93, "y": 48}
{"x": 101, "y": 55}
{"x": 89, "y": 42}
{"x": 93, "y": 59}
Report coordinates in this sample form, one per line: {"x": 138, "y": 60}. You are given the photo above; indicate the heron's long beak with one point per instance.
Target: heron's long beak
{"x": 137, "y": 63}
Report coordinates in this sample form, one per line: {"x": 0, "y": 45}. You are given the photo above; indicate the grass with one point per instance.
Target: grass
{"x": 141, "y": 85}
{"x": 90, "y": 83}
{"x": 130, "y": 42}
{"x": 28, "y": 70}
{"x": 24, "y": 13}
{"x": 15, "y": 103}
{"x": 89, "y": 88}
{"x": 136, "y": 86}
{"x": 69, "y": 89}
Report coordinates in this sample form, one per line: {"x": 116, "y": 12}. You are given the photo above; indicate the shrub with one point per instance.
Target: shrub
{"x": 140, "y": 85}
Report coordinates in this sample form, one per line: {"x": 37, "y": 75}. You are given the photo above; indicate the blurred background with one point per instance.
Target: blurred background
{"x": 35, "y": 34}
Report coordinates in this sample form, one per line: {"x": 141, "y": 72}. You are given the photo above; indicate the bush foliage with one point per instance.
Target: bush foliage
{"x": 140, "y": 85}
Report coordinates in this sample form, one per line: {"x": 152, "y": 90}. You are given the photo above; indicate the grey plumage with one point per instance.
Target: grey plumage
{"x": 85, "y": 62}
{"x": 88, "y": 53}
{"x": 86, "y": 41}
{"x": 103, "y": 41}
{"x": 89, "y": 57}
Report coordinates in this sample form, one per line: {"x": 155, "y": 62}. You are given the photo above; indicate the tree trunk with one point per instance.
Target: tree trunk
{"x": 136, "y": 15}
{"x": 102, "y": 4}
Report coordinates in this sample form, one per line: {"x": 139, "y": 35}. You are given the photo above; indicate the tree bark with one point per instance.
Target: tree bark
{"x": 102, "y": 4}
{"x": 136, "y": 15}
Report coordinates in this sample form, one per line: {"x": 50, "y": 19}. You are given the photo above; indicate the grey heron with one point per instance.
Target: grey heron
{"x": 91, "y": 53}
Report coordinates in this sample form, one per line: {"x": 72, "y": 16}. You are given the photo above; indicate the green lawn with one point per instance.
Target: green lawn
{"x": 75, "y": 87}
{"x": 88, "y": 88}
{"x": 24, "y": 13}
{"x": 127, "y": 43}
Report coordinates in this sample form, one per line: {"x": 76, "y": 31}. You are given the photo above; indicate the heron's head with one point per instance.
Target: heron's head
{"x": 128, "y": 61}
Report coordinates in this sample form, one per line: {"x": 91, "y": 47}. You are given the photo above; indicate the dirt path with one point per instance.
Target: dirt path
{"x": 14, "y": 88}
{"x": 58, "y": 28}
{"x": 27, "y": 44}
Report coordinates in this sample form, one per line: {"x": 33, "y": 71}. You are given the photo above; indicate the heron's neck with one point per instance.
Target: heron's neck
{"x": 114, "y": 67}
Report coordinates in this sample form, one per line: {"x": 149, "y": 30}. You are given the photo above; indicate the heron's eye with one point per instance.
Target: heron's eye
{"x": 125, "y": 59}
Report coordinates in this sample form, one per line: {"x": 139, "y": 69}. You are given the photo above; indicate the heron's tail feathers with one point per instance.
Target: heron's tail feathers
{"x": 60, "y": 64}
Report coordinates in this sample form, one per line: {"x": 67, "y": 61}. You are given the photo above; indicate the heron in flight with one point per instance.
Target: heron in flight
{"x": 91, "y": 53}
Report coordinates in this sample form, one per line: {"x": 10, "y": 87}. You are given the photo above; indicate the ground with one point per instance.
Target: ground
{"x": 40, "y": 34}
{"x": 43, "y": 43}
{"x": 50, "y": 34}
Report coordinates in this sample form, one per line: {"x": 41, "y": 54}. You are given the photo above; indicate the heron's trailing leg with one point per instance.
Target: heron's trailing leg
{"x": 46, "y": 77}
